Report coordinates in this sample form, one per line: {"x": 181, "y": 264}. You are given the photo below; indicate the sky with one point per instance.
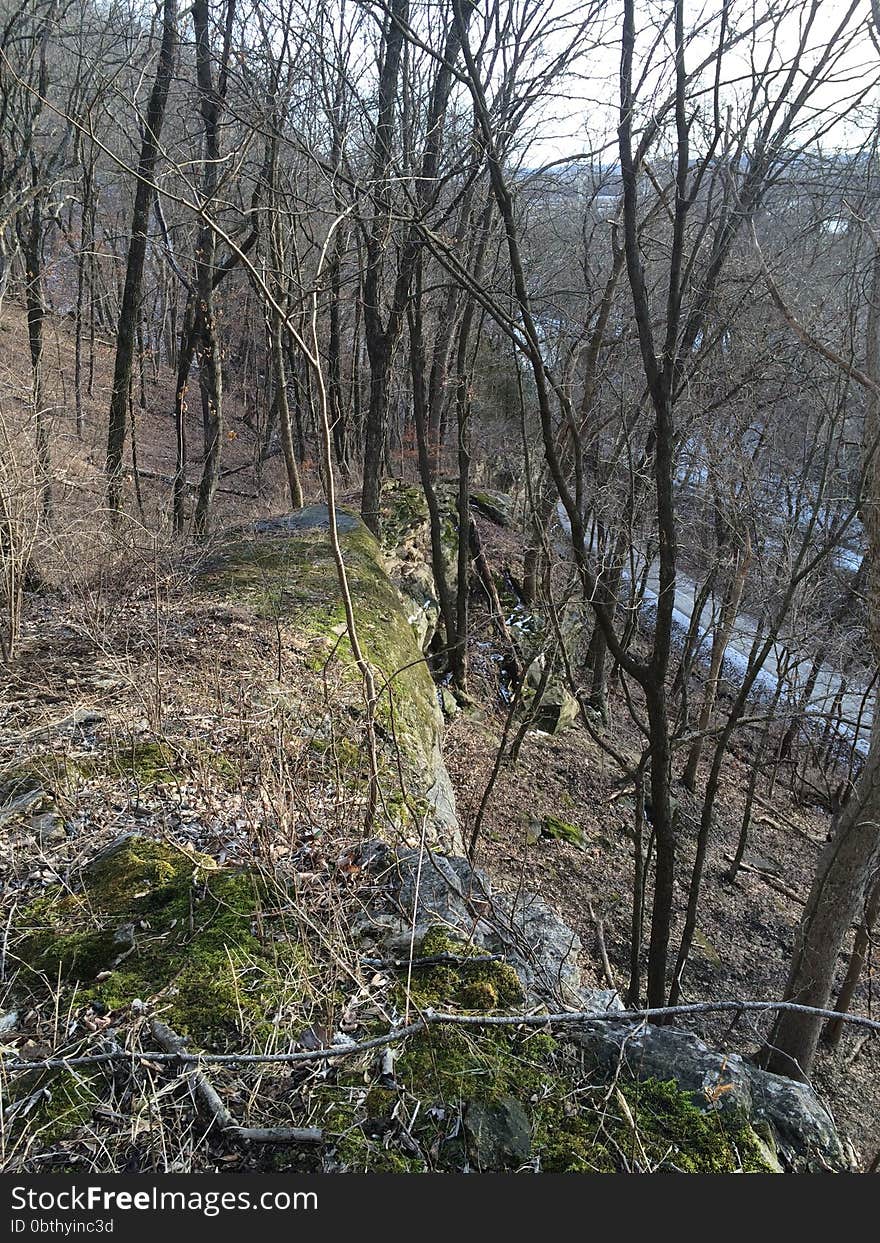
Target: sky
{"x": 580, "y": 111}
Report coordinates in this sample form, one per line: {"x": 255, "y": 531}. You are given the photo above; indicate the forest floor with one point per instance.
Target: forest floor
{"x": 112, "y": 655}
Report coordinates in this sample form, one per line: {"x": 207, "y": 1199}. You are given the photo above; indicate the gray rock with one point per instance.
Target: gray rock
{"x": 540, "y": 946}
{"x": 448, "y": 702}
{"x": 19, "y": 795}
{"x": 543, "y": 950}
{"x": 499, "y": 1134}
{"x": 48, "y": 827}
{"x": 8, "y": 1022}
{"x": 312, "y": 517}
{"x": 416, "y": 585}
{"x": 440, "y": 797}
{"x": 600, "y": 1000}
{"x": 498, "y": 507}
{"x": 803, "y": 1132}
{"x": 558, "y": 709}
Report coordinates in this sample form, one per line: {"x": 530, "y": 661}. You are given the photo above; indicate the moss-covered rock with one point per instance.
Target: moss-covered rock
{"x": 205, "y": 947}
{"x": 284, "y": 569}
{"x": 498, "y": 507}
{"x": 408, "y": 552}
{"x": 561, "y": 831}
{"x": 155, "y": 922}
{"x": 510, "y": 1097}
{"x": 482, "y": 985}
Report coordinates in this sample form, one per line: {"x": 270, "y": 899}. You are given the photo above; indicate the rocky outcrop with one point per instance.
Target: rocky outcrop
{"x": 283, "y": 568}
{"x": 406, "y": 546}
{"x": 785, "y": 1118}
{"x": 148, "y": 929}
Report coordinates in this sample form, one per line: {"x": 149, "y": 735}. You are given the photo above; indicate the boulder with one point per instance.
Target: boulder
{"x": 498, "y": 507}
{"x": 145, "y": 920}
{"x": 800, "y": 1129}
{"x": 499, "y": 1133}
{"x": 447, "y": 891}
{"x": 558, "y": 708}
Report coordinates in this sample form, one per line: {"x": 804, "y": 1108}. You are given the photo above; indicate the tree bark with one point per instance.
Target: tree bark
{"x": 129, "y": 313}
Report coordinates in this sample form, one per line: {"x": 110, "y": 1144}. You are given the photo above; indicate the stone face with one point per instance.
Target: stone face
{"x": 803, "y": 1132}
{"x": 406, "y": 546}
{"x": 311, "y": 518}
{"x": 498, "y": 507}
{"x": 558, "y": 709}
{"x": 20, "y": 794}
{"x": 498, "y": 1134}
{"x": 543, "y": 948}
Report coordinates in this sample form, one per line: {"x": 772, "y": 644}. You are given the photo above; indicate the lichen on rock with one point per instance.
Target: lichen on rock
{"x": 283, "y": 568}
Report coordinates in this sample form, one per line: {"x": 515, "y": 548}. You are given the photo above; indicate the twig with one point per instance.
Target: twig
{"x": 603, "y": 951}
{"x": 433, "y": 960}
{"x": 206, "y": 1096}
{"x": 200, "y": 1086}
{"x": 769, "y": 879}
{"x": 429, "y": 1018}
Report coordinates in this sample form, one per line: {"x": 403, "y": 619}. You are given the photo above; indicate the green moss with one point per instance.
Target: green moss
{"x": 479, "y": 986}
{"x": 363, "y": 1144}
{"x": 149, "y": 763}
{"x": 561, "y": 830}
{"x": 52, "y": 772}
{"x": 710, "y": 1142}
{"x": 496, "y": 506}
{"x": 144, "y": 762}
{"x": 153, "y": 922}
{"x": 577, "y": 1126}
{"x": 652, "y": 1125}
{"x": 65, "y": 1101}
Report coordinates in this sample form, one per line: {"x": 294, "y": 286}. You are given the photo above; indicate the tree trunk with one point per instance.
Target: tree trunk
{"x": 849, "y": 862}
{"x": 210, "y": 366}
{"x": 129, "y": 313}
{"x": 836, "y": 900}
{"x": 858, "y": 957}
{"x": 32, "y": 248}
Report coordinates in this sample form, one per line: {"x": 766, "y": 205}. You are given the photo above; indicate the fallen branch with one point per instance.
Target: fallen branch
{"x": 603, "y": 950}
{"x": 769, "y": 879}
{"x": 142, "y": 473}
{"x": 208, "y": 1100}
{"x": 431, "y": 1017}
{"x": 433, "y": 960}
